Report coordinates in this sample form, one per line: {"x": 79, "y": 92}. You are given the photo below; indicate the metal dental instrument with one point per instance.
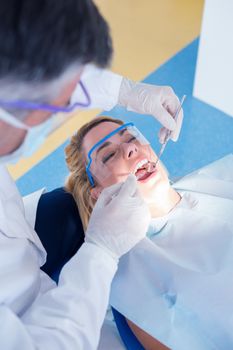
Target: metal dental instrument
{"x": 168, "y": 134}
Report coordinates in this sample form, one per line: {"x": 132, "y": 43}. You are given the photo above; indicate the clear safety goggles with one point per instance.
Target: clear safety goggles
{"x": 104, "y": 155}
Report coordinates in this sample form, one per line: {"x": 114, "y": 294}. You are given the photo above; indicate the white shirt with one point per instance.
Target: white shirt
{"x": 34, "y": 312}
{"x": 177, "y": 283}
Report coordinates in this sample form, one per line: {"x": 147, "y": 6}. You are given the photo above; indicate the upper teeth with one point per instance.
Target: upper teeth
{"x": 140, "y": 164}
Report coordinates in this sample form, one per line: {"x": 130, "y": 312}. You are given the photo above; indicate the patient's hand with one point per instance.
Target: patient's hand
{"x": 147, "y": 341}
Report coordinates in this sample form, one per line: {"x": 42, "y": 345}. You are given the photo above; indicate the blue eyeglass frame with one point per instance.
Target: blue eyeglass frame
{"x": 90, "y": 177}
{"x": 22, "y": 104}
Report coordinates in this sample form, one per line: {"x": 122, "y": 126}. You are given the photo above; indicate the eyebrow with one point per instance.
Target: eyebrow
{"x": 107, "y": 143}
{"x": 121, "y": 132}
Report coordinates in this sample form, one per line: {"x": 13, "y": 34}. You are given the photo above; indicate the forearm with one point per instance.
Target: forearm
{"x": 75, "y": 310}
{"x": 148, "y": 342}
{"x": 42, "y": 315}
{"x": 102, "y": 85}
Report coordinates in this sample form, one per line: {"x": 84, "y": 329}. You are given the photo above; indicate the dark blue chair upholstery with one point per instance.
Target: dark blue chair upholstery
{"x": 59, "y": 227}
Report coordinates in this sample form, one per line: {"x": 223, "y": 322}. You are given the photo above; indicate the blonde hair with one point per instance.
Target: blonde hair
{"x": 77, "y": 182}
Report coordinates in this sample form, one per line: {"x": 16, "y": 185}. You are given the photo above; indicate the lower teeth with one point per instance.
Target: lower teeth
{"x": 139, "y": 177}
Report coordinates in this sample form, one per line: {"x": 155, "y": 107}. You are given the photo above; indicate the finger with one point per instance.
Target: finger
{"x": 108, "y": 194}
{"x": 138, "y": 200}
{"x": 120, "y": 189}
{"x": 165, "y": 118}
{"x": 172, "y": 105}
{"x": 162, "y": 135}
{"x": 129, "y": 187}
{"x": 132, "y": 201}
{"x": 175, "y": 134}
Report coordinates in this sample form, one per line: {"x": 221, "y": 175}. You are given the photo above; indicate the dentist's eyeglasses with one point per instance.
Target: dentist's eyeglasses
{"x": 22, "y": 104}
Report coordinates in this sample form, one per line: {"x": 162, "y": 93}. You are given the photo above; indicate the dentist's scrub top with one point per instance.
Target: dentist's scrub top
{"x": 35, "y": 313}
{"x": 177, "y": 284}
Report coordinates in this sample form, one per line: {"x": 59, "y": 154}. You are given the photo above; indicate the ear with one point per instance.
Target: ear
{"x": 95, "y": 192}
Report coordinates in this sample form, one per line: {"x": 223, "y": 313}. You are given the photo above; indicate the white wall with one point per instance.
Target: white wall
{"x": 214, "y": 71}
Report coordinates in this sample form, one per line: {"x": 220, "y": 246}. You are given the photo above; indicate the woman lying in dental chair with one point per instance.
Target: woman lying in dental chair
{"x": 175, "y": 287}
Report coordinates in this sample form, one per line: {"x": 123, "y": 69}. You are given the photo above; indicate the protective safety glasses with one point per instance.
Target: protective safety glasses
{"x": 104, "y": 155}
{"x": 21, "y": 104}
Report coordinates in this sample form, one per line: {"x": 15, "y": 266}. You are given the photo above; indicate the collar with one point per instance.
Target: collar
{"x": 188, "y": 201}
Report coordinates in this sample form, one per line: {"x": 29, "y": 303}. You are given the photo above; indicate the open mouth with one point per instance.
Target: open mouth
{"x": 144, "y": 170}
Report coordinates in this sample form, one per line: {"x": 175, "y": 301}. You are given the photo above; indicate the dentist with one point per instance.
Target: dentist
{"x": 52, "y": 59}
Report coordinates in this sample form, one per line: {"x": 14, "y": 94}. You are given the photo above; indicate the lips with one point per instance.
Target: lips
{"x": 141, "y": 164}
{"x": 140, "y": 173}
{"x": 143, "y": 173}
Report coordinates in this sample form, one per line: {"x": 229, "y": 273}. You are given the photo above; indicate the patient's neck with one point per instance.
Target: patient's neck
{"x": 164, "y": 202}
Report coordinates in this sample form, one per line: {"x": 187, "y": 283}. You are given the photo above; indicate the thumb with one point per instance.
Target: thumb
{"x": 108, "y": 194}
{"x": 129, "y": 187}
{"x": 120, "y": 190}
{"x": 175, "y": 134}
{"x": 165, "y": 118}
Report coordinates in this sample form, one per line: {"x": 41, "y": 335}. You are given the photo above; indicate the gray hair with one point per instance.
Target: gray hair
{"x": 12, "y": 89}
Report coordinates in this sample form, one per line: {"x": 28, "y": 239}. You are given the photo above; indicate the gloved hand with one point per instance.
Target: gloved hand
{"x": 159, "y": 101}
{"x": 119, "y": 219}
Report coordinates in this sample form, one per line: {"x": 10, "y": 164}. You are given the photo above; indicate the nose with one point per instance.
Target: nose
{"x": 130, "y": 150}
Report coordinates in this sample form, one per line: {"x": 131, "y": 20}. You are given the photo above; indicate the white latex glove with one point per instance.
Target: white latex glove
{"x": 120, "y": 218}
{"x": 159, "y": 101}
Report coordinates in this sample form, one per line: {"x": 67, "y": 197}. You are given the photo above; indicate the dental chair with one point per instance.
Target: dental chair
{"x": 59, "y": 227}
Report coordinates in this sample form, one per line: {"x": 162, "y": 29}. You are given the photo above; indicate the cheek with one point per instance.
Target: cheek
{"x": 118, "y": 168}
{"x": 163, "y": 172}
{"x": 115, "y": 173}
{"x": 149, "y": 153}
{"x": 113, "y": 179}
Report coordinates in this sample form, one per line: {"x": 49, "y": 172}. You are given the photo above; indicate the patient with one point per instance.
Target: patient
{"x": 184, "y": 296}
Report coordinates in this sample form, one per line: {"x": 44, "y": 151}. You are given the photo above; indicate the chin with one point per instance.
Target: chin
{"x": 154, "y": 188}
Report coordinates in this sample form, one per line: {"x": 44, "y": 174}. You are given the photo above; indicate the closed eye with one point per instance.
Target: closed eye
{"x": 133, "y": 138}
{"x": 108, "y": 156}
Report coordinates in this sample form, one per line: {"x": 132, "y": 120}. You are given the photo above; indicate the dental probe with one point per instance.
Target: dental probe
{"x": 167, "y": 137}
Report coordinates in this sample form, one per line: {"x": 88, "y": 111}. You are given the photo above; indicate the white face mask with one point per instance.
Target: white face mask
{"x": 34, "y": 138}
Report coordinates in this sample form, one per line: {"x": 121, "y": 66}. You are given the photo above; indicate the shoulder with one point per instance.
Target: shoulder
{"x": 215, "y": 178}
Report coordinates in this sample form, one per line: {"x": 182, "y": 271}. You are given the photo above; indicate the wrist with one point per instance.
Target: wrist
{"x": 125, "y": 90}
{"x": 105, "y": 252}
